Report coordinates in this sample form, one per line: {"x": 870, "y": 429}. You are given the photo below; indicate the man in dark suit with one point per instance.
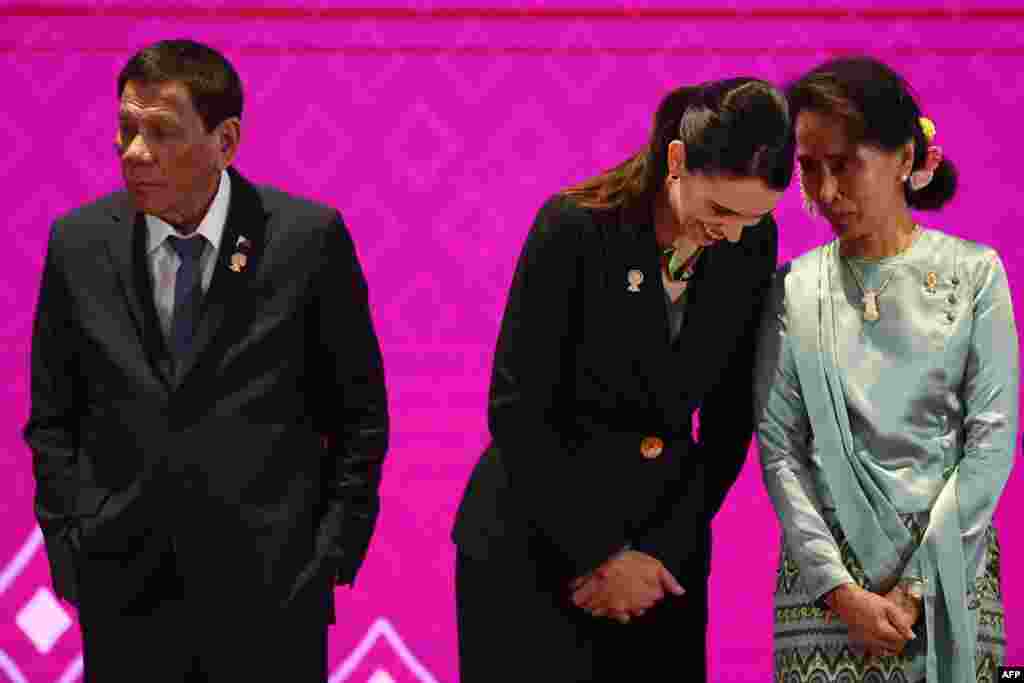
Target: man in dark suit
{"x": 209, "y": 415}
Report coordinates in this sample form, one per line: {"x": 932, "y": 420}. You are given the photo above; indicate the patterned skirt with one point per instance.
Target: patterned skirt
{"x": 809, "y": 650}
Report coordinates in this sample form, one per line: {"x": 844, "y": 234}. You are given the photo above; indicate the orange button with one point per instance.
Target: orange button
{"x": 651, "y": 447}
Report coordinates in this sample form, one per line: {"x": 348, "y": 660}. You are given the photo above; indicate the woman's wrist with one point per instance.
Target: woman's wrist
{"x": 835, "y": 596}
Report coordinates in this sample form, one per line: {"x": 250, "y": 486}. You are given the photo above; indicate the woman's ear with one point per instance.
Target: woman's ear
{"x": 229, "y": 136}
{"x": 907, "y": 160}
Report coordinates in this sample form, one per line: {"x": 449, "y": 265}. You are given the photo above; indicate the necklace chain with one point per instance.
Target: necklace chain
{"x": 870, "y": 296}
{"x": 676, "y": 270}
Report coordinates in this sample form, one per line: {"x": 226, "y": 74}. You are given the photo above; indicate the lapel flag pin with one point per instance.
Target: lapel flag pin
{"x": 240, "y": 258}
{"x": 635, "y": 278}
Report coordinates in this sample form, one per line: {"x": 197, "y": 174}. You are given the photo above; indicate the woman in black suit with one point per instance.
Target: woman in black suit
{"x": 584, "y": 533}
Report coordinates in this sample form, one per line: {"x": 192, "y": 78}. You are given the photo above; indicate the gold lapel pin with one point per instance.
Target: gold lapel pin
{"x": 239, "y": 258}
{"x": 651, "y": 447}
{"x": 931, "y": 281}
{"x": 635, "y": 278}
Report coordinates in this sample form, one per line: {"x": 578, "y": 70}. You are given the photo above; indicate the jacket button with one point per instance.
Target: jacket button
{"x": 651, "y": 447}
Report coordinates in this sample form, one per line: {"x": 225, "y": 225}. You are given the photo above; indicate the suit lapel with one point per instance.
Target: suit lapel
{"x": 246, "y": 219}
{"x": 712, "y": 317}
{"x": 126, "y": 246}
{"x": 676, "y": 373}
{"x": 699, "y": 297}
{"x": 644, "y": 313}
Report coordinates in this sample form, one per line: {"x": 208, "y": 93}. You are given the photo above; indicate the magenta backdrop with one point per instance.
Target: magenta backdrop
{"x": 438, "y": 134}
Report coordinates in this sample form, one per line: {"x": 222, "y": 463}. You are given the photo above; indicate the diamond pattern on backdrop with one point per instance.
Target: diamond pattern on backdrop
{"x": 316, "y": 147}
{"x": 43, "y": 620}
{"x": 40, "y": 642}
{"x": 382, "y": 634}
{"x": 438, "y": 134}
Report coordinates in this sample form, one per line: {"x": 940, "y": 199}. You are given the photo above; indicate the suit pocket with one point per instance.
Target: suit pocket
{"x": 89, "y": 497}
{"x": 486, "y": 519}
{"x": 62, "y": 555}
{"x": 89, "y": 500}
{"x": 315, "y": 575}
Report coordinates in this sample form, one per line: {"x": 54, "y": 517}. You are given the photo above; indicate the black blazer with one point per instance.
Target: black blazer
{"x": 584, "y": 370}
{"x": 260, "y": 457}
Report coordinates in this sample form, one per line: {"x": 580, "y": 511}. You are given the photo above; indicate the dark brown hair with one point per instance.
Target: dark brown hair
{"x": 877, "y": 108}
{"x": 737, "y": 127}
{"x": 211, "y": 81}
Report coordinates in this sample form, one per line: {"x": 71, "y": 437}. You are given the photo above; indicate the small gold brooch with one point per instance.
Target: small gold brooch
{"x": 635, "y": 278}
{"x": 651, "y": 447}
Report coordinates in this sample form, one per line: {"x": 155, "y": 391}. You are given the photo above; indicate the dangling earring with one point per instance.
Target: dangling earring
{"x": 808, "y": 203}
{"x": 671, "y": 178}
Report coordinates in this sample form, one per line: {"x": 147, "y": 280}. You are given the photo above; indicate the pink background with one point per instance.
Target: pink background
{"x": 438, "y": 130}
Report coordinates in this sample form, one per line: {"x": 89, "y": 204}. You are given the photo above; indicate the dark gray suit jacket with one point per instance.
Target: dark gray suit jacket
{"x": 260, "y": 457}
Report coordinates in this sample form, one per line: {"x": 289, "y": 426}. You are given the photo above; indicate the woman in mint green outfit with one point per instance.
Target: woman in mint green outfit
{"x": 888, "y": 390}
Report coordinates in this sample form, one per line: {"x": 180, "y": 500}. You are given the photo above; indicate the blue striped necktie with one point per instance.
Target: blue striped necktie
{"x": 188, "y": 294}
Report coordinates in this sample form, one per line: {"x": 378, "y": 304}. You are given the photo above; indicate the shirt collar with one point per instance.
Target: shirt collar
{"x": 211, "y": 227}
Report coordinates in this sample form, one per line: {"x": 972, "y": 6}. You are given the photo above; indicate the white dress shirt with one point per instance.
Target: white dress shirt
{"x": 164, "y": 261}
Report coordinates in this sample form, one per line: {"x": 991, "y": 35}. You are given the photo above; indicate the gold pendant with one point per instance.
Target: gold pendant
{"x": 871, "y": 305}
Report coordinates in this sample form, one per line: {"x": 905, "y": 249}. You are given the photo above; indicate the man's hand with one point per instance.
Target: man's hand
{"x": 625, "y": 586}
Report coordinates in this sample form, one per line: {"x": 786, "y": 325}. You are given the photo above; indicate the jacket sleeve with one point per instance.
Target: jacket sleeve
{"x": 349, "y": 400}
{"x": 784, "y": 437}
{"x": 990, "y": 397}
{"x": 52, "y": 430}
{"x": 531, "y": 386}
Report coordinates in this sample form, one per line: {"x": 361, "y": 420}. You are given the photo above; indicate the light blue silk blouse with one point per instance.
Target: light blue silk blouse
{"x": 923, "y": 401}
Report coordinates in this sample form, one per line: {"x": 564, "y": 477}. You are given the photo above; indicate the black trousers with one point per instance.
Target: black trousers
{"x": 515, "y": 626}
{"x": 165, "y": 637}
